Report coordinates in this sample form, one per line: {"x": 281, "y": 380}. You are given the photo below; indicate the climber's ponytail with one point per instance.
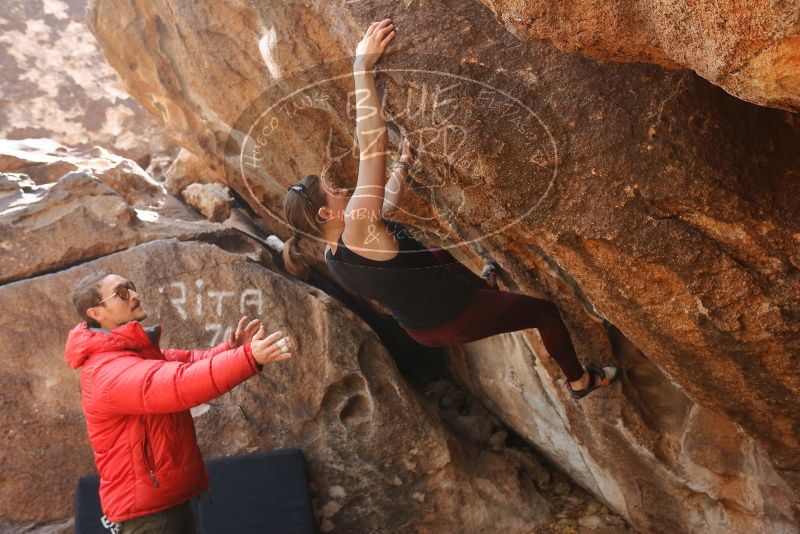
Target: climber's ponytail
{"x": 293, "y": 258}
{"x": 300, "y": 206}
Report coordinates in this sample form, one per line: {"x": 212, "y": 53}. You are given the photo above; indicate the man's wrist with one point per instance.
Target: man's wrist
{"x": 248, "y": 350}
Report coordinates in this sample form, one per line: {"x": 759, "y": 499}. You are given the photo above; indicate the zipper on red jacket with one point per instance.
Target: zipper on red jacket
{"x": 147, "y": 462}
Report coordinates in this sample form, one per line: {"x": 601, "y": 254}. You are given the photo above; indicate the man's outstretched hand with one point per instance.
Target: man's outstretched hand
{"x": 244, "y": 332}
{"x": 272, "y": 348}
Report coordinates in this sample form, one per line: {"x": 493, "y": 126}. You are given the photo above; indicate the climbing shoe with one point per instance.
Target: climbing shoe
{"x": 596, "y": 374}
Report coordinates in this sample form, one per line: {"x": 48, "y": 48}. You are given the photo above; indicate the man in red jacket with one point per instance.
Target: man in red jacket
{"x": 136, "y": 399}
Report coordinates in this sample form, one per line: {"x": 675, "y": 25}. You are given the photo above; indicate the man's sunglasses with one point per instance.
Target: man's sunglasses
{"x": 123, "y": 292}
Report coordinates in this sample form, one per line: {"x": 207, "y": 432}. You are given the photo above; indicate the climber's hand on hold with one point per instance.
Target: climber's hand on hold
{"x": 372, "y": 45}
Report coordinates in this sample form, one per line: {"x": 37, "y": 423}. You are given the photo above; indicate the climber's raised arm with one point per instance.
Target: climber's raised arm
{"x": 367, "y": 199}
{"x": 396, "y": 185}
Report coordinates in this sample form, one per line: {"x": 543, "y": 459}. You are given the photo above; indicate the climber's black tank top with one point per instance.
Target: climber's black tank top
{"x": 420, "y": 292}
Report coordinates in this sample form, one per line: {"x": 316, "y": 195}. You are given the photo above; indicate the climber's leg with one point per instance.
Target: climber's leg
{"x": 492, "y": 312}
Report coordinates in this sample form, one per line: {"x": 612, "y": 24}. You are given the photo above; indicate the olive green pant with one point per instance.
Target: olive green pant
{"x": 176, "y": 520}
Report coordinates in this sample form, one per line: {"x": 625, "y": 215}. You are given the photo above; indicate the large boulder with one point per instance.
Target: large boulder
{"x": 641, "y": 200}
{"x": 45, "y": 161}
{"x": 378, "y": 455}
{"x": 55, "y": 84}
{"x": 60, "y": 207}
{"x": 752, "y": 50}
{"x": 187, "y": 169}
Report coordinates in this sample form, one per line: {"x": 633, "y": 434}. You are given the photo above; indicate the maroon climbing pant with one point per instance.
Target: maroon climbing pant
{"x": 491, "y": 312}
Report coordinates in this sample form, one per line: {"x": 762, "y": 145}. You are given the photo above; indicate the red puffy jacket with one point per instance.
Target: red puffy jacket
{"x": 136, "y": 400}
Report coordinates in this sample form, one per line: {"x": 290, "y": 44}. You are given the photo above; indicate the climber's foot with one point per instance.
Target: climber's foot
{"x": 490, "y": 274}
{"x": 593, "y": 377}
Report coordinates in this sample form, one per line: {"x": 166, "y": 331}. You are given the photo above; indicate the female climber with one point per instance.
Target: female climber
{"x": 437, "y": 300}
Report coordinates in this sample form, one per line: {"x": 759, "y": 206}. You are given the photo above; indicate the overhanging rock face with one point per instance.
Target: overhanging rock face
{"x": 651, "y": 206}
{"x": 752, "y": 49}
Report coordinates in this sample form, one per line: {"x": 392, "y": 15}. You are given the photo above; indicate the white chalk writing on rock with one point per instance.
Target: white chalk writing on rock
{"x": 204, "y": 303}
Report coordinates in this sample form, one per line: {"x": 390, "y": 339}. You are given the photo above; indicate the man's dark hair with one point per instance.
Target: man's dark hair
{"x": 86, "y": 294}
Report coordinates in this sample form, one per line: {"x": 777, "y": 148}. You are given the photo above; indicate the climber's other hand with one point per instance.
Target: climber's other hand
{"x": 407, "y": 153}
